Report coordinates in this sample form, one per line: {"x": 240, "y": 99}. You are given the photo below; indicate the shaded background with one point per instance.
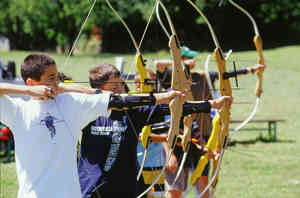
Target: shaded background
{"x": 48, "y": 24}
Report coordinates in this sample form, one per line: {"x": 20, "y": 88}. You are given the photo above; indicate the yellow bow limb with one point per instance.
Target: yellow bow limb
{"x": 146, "y": 132}
{"x": 211, "y": 146}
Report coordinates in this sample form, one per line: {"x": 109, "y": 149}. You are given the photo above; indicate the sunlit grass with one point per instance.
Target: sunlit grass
{"x": 252, "y": 168}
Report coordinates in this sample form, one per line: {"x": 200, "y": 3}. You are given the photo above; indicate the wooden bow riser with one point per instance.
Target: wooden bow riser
{"x": 181, "y": 83}
{"x": 259, "y": 48}
{"x": 225, "y": 90}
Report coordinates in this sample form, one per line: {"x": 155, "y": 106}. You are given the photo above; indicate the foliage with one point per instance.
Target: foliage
{"x": 277, "y": 10}
{"x": 55, "y": 21}
{"x": 44, "y": 24}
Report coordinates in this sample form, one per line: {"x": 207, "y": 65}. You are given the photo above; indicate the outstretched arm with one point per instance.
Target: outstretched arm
{"x": 62, "y": 88}
{"x": 125, "y": 101}
{"x": 244, "y": 71}
{"x": 41, "y": 92}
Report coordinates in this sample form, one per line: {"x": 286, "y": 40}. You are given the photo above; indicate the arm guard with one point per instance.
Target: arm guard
{"x": 121, "y": 102}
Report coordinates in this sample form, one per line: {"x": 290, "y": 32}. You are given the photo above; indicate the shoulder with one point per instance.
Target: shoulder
{"x": 13, "y": 100}
{"x": 69, "y": 98}
{"x": 72, "y": 96}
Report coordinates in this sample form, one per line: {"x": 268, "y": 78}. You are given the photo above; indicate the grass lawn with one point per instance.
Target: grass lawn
{"x": 252, "y": 167}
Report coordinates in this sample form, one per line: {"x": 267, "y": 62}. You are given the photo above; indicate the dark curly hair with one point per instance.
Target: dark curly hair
{"x": 35, "y": 65}
{"x": 100, "y": 74}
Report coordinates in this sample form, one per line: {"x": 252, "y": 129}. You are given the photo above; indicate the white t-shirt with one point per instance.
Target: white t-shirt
{"x": 46, "y": 134}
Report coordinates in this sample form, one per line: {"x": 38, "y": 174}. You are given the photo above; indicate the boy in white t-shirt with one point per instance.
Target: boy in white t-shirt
{"x": 46, "y": 128}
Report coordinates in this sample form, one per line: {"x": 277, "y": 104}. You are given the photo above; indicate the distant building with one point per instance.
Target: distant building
{"x": 4, "y": 44}
{"x": 8, "y": 75}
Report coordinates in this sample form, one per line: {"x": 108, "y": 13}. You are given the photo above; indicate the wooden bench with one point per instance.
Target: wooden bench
{"x": 272, "y": 126}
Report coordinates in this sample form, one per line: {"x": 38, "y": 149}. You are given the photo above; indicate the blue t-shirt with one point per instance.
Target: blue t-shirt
{"x": 154, "y": 157}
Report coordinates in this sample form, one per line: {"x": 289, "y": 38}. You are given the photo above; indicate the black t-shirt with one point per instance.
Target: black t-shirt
{"x": 108, "y": 157}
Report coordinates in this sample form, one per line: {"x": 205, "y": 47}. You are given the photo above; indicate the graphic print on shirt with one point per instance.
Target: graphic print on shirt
{"x": 49, "y": 121}
{"x": 115, "y": 132}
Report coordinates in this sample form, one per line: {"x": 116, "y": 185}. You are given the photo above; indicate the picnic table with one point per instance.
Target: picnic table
{"x": 271, "y": 126}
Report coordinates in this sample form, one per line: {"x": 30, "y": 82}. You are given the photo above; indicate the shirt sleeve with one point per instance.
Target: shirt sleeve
{"x": 155, "y": 114}
{"x": 158, "y": 112}
{"x": 85, "y": 108}
{"x": 9, "y": 109}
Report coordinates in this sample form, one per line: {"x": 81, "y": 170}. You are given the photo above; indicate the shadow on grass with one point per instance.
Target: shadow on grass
{"x": 260, "y": 138}
{"x": 4, "y": 158}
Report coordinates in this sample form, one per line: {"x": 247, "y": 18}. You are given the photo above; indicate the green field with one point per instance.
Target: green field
{"x": 254, "y": 167}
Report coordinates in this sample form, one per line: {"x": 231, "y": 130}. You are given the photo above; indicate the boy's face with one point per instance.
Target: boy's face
{"x": 190, "y": 62}
{"x": 49, "y": 78}
{"x": 114, "y": 84}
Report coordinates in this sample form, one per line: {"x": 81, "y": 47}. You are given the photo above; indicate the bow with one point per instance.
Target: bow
{"x": 140, "y": 64}
{"x": 259, "y": 48}
{"x": 219, "y": 137}
{"x": 80, "y": 32}
{"x": 144, "y": 79}
{"x": 145, "y": 88}
{"x": 180, "y": 82}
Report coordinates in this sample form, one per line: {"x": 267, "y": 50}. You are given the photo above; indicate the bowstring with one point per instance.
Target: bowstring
{"x": 137, "y": 47}
{"x": 168, "y": 155}
{"x": 80, "y": 32}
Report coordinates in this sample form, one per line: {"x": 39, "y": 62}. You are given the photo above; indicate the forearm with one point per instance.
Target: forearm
{"x": 162, "y": 98}
{"x": 243, "y": 71}
{"x": 230, "y": 73}
{"x": 6, "y": 88}
{"x": 75, "y": 88}
{"x": 130, "y": 101}
{"x": 191, "y": 107}
{"x": 125, "y": 101}
{"x": 158, "y": 137}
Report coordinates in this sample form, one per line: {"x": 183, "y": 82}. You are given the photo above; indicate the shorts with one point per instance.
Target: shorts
{"x": 182, "y": 181}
